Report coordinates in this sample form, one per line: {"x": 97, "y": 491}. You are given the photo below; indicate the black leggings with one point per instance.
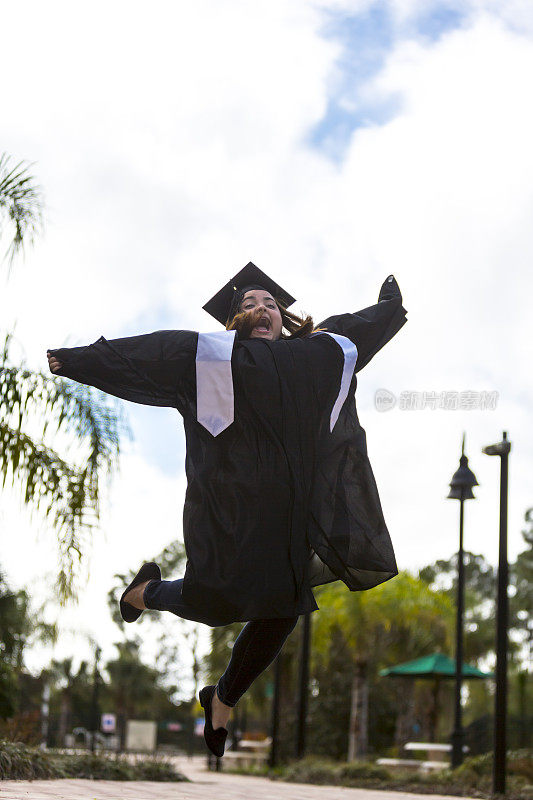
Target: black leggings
{"x": 256, "y": 646}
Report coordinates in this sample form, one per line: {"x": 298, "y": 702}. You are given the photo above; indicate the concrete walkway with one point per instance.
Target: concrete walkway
{"x": 205, "y": 785}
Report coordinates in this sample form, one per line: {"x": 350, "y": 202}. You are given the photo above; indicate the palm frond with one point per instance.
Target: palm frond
{"x": 21, "y": 204}
{"x": 56, "y": 490}
{"x": 68, "y": 407}
{"x": 65, "y": 493}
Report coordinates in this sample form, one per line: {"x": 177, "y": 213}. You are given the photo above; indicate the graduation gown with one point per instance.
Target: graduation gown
{"x": 280, "y": 495}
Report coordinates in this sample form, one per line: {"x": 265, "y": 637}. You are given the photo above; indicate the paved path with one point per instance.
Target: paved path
{"x": 205, "y": 785}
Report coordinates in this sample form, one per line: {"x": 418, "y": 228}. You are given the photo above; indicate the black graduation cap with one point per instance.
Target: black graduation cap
{"x": 250, "y": 277}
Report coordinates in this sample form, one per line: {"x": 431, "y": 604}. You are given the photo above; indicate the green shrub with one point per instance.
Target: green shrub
{"x": 20, "y": 762}
{"x": 262, "y": 770}
{"x": 362, "y": 769}
{"x": 519, "y": 762}
{"x": 312, "y": 770}
{"x": 117, "y": 768}
{"x": 472, "y": 779}
{"x": 155, "y": 769}
{"x": 95, "y": 766}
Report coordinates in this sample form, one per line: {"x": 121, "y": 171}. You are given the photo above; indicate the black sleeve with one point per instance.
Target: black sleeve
{"x": 156, "y": 369}
{"x": 372, "y": 327}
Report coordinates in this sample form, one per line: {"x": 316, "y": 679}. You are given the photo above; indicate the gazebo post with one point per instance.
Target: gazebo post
{"x": 435, "y": 710}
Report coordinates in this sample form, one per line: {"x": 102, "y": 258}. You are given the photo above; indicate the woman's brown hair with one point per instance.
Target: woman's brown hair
{"x": 245, "y": 321}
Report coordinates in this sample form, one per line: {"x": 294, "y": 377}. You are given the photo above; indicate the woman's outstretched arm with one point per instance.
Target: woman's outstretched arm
{"x": 371, "y": 328}
{"x": 154, "y": 369}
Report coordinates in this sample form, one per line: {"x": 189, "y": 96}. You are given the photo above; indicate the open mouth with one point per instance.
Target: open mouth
{"x": 263, "y": 326}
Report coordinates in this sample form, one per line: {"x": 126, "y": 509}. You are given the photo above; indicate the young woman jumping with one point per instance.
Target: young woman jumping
{"x": 280, "y": 496}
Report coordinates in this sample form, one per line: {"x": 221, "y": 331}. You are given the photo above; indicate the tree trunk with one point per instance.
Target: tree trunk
{"x": 64, "y": 717}
{"x": 195, "y": 663}
{"x": 406, "y": 716}
{"x": 358, "y": 731}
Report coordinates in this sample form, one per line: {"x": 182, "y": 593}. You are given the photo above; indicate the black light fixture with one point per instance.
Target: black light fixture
{"x": 95, "y": 705}
{"x": 276, "y": 701}
{"x": 303, "y": 686}
{"x": 460, "y": 489}
{"x": 501, "y": 449}
{"x": 463, "y": 480}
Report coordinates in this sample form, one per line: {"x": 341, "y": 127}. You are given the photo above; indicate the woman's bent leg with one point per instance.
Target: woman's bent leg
{"x": 166, "y": 596}
{"x": 256, "y": 646}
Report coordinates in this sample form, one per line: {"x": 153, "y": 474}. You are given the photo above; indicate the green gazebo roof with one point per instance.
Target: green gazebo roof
{"x": 436, "y": 665}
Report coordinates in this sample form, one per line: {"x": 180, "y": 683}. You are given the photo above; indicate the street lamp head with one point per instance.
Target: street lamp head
{"x": 499, "y": 449}
{"x": 462, "y": 481}
{"x": 456, "y": 493}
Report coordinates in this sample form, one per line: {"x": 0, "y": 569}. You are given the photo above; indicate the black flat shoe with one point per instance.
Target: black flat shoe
{"x": 148, "y": 571}
{"x": 215, "y": 739}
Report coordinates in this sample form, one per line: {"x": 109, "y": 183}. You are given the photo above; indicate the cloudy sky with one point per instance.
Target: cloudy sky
{"x": 332, "y": 144}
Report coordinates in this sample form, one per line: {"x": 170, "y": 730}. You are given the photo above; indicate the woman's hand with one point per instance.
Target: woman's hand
{"x": 53, "y": 362}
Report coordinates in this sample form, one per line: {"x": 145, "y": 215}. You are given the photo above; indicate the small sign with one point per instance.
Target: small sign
{"x": 174, "y": 726}
{"x": 109, "y": 723}
{"x": 141, "y": 735}
{"x": 199, "y": 726}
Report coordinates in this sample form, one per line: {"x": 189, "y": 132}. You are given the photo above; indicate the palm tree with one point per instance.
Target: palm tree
{"x": 32, "y": 403}
{"x": 62, "y": 672}
{"x": 395, "y": 621}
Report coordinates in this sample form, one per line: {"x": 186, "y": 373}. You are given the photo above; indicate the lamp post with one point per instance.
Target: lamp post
{"x": 95, "y": 710}
{"x": 303, "y": 685}
{"x": 45, "y": 712}
{"x": 460, "y": 489}
{"x": 274, "y": 747}
{"x": 501, "y": 449}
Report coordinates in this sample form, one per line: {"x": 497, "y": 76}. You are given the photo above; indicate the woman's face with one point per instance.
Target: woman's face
{"x": 269, "y": 326}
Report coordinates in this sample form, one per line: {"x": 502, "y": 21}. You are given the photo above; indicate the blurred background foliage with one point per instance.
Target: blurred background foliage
{"x": 354, "y": 636}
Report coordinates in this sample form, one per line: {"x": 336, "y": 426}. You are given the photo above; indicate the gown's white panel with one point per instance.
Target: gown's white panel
{"x": 214, "y": 382}
{"x": 350, "y": 358}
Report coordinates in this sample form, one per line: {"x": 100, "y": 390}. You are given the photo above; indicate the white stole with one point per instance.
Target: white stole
{"x": 214, "y": 381}
{"x": 349, "y": 351}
